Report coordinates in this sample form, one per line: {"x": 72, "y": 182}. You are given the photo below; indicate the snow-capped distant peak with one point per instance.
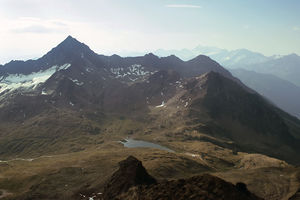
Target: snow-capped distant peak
{"x": 29, "y": 81}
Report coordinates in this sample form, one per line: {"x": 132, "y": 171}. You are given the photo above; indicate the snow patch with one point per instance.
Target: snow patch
{"x": 88, "y": 70}
{"x": 135, "y": 70}
{"x": 30, "y": 81}
{"x": 161, "y": 105}
{"x": 133, "y": 79}
{"x": 44, "y": 93}
{"x": 193, "y": 155}
{"x": 179, "y": 83}
{"x": 76, "y": 82}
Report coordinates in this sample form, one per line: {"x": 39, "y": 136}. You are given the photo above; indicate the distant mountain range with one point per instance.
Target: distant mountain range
{"x": 73, "y": 79}
{"x": 227, "y": 58}
{"x": 286, "y": 67}
{"x": 282, "y": 88}
{"x": 63, "y": 117}
{"x": 283, "y": 93}
{"x": 239, "y": 58}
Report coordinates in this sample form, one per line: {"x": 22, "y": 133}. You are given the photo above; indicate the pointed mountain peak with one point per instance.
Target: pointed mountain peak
{"x": 217, "y": 78}
{"x": 201, "y": 58}
{"x": 214, "y": 81}
{"x": 151, "y": 59}
{"x": 174, "y": 58}
{"x": 70, "y": 38}
{"x": 151, "y": 55}
{"x": 71, "y": 42}
{"x": 207, "y": 61}
{"x": 69, "y": 50}
{"x": 131, "y": 172}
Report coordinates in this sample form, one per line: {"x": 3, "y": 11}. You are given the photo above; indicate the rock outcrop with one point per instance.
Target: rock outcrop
{"x": 132, "y": 182}
{"x": 131, "y": 173}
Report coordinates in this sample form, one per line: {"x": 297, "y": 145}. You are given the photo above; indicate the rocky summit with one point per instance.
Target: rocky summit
{"x": 131, "y": 173}
{"x": 66, "y": 120}
{"x": 140, "y": 185}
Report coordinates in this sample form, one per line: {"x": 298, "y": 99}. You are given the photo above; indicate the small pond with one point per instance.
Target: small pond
{"x": 131, "y": 143}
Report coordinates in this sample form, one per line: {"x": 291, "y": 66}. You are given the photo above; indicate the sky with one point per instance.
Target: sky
{"x": 30, "y": 28}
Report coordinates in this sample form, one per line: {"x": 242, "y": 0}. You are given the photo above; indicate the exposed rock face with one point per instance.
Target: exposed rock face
{"x": 132, "y": 182}
{"x": 131, "y": 173}
{"x": 198, "y": 187}
{"x": 72, "y": 84}
{"x": 246, "y": 118}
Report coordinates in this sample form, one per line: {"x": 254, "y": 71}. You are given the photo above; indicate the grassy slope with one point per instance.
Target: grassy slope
{"x": 85, "y": 151}
{"x": 67, "y": 176}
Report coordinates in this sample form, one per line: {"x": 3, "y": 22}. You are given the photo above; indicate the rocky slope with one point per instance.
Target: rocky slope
{"x": 76, "y": 83}
{"x": 140, "y": 185}
{"x": 73, "y": 103}
{"x": 130, "y": 173}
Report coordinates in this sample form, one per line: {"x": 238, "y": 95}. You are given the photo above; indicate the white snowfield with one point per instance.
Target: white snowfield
{"x": 30, "y": 81}
{"x": 133, "y": 70}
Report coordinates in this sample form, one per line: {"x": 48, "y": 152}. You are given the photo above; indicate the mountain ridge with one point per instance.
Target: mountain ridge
{"x": 64, "y": 128}
{"x": 279, "y": 91}
{"x": 136, "y": 86}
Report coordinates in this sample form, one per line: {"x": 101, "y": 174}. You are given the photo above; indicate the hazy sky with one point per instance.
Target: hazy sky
{"x": 30, "y": 28}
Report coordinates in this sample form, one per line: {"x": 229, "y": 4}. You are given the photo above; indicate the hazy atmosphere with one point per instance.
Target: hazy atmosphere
{"x": 149, "y": 99}
{"x": 30, "y": 28}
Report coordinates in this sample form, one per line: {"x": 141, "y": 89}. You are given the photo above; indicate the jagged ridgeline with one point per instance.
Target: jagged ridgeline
{"x": 48, "y": 105}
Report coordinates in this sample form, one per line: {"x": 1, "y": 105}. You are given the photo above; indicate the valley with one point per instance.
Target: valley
{"x": 65, "y": 116}
{"x": 72, "y": 175}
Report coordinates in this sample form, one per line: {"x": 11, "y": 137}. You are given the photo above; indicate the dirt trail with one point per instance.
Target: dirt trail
{"x": 24, "y": 159}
